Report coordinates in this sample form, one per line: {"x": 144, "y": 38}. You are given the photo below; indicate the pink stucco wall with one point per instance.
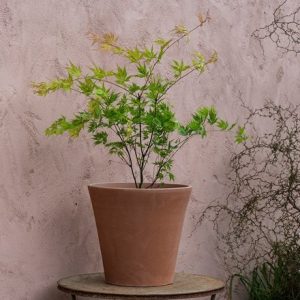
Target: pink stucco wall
{"x": 46, "y": 225}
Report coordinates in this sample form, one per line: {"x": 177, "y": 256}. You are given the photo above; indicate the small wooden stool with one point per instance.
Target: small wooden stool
{"x": 184, "y": 286}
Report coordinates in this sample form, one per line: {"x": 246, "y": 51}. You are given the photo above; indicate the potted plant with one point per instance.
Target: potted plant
{"x": 139, "y": 224}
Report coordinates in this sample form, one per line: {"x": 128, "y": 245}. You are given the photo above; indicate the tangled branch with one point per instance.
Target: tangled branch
{"x": 263, "y": 207}
{"x": 284, "y": 30}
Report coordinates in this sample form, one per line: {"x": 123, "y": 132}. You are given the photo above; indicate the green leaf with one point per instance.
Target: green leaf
{"x": 212, "y": 116}
{"x": 40, "y": 88}
{"x": 142, "y": 70}
{"x": 102, "y": 91}
{"x": 171, "y": 176}
{"x": 73, "y": 127}
{"x": 121, "y": 75}
{"x": 201, "y": 114}
{"x": 241, "y": 135}
{"x": 66, "y": 84}
{"x": 162, "y": 42}
{"x": 197, "y": 124}
{"x": 133, "y": 88}
{"x": 149, "y": 54}
{"x": 58, "y": 127}
{"x": 94, "y": 107}
{"x": 44, "y": 88}
{"x": 163, "y": 45}
{"x": 134, "y": 55}
{"x": 183, "y": 130}
{"x": 112, "y": 97}
{"x": 100, "y": 138}
{"x": 179, "y": 67}
{"x": 199, "y": 62}
{"x": 223, "y": 125}
{"x": 100, "y": 73}
{"x": 156, "y": 88}
{"x": 75, "y": 130}
{"x": 138, "y": 113}
{"x": 73, "y": 70}
{"x": 116, "y": 148}
{"x": 78, "y": 123}
{"x": 87, "y": 86}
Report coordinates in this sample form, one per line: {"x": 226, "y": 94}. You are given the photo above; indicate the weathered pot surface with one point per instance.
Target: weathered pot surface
{"x": 139, "y": 231}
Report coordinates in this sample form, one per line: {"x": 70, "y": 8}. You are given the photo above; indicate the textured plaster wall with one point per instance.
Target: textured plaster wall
{"x": 46, "y": 225}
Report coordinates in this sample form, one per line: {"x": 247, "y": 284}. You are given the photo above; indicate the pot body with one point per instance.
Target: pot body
{"x": 139, "y": 231}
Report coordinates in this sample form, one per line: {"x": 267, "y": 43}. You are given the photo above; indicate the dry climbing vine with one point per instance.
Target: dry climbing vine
{"x": 263, "y": 207}
{"x": 284, "y": 30}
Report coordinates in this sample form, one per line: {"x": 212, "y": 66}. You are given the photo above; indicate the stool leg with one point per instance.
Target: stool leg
{"x": 213, "y": 297}
{"x": 73, "y": 297}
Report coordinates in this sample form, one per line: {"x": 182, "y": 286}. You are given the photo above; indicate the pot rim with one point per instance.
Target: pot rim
{"x": 131, "y": 186}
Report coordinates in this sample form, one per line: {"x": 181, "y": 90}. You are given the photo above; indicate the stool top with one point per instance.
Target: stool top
{"x": 184, "y": 286}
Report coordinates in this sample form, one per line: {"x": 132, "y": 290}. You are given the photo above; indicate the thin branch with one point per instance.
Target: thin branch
{"x": 283, "y": 31}
{"x": 118, "y": 132}
{"x": 169, "y": 158}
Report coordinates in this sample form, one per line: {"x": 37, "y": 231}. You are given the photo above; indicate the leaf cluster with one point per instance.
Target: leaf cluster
{"x": 127, "y": 112}
{"x": 274, "y": 280}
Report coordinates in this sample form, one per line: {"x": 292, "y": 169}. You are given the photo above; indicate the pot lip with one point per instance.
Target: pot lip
{"x": 131, "y": 186}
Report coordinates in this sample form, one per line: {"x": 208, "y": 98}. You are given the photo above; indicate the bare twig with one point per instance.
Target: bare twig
{"x": 284, "y": 30}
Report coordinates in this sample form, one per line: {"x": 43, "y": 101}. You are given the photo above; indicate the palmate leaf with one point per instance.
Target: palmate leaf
{"x": 73, "y": 127}
{"x": 121, "y": 75}
{"x": 73, "y": 70}
{"x": 86, "y": 86}
{"x": 133, "y": 88}
{"x": 156, "y": 87}
{"x": 58, "y": 127}
{"x": 163, "y": 43}
{"x": 149, "y": 54}
{"x": 203, "y": 116}
{"x": 108, "y": 41}
{"x": 100, "y": 138}
{"x": 223, "y": 125}
{"x": 180, "y": 30}
{"x": 93, "y": 125}
{"x": 212, "y": 116}
{"x": 199, "y": 61}
{"x": 179, "y": 67}
{"x": 101, "y": 91}
{"x": 134, "y": 55}
{"x": 107, "y": 95}
{"x": 44, "y": 88}
{"x": 183, "y": 130}
{"x": 241, "y": 135}
{"x": 78, "y": 123}
{"x": 143, "y": 70}
{"x": 100, "y": 73}
{"x": 171, "y": 176}
{"x": 115, "y": 148}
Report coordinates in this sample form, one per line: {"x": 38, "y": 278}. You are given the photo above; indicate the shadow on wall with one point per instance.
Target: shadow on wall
{"x": 51, "y": 293}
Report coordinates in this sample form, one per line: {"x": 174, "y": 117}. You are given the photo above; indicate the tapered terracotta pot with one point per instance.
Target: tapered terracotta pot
{"x": 139, "y": 231}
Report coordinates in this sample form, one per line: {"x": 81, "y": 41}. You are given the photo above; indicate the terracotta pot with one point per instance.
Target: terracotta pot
{"x": 139, "y": 231}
